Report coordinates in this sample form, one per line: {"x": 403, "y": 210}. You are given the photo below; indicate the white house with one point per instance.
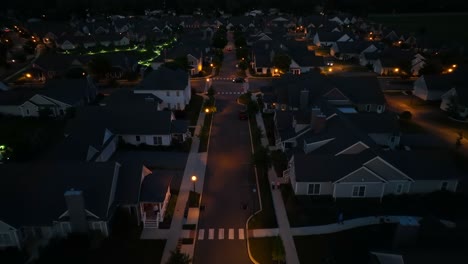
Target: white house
{"x": 171, "y": 86}
{"x": 458, "y": 97}
{"x": 432, "y": 87}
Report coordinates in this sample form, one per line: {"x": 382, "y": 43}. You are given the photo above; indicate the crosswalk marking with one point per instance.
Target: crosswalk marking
{"x": 201, "y": 234}
{"x": 230, "y": 92}
{"x": 211, "y": 233}
{"x": 221, "y": 234}
{"x": 241, "y": 233}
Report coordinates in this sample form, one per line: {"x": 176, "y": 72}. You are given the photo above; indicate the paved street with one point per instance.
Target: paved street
{"x": 227, "y": 194}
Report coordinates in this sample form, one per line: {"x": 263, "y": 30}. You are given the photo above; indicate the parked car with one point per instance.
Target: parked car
{"x": 238, "y": 80}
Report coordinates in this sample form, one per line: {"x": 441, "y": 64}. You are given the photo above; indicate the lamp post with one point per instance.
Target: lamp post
{"x": 194, "y": 180}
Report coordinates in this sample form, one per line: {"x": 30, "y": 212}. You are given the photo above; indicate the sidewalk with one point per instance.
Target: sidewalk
{"x": 284, "y": 229}
{"x": 196, "y": 165}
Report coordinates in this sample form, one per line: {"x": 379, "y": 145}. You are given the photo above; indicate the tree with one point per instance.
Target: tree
{"x": 178, "y": 257}
{"x": 99, "y": 66}
{"x": 282, "y": 62}
{"x": 240, "y": 41}
{"x": 261, "y": 158}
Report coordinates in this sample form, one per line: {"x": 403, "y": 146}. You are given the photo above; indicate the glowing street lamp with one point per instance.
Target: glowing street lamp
{"x": 28, "y": 75}
{"x": 194, "y": 180}
{"x": 450, "y": 70}
{"x": 211, "y": 64}
{"x": 454, "y": 66}
{"x": 396, "y": 70}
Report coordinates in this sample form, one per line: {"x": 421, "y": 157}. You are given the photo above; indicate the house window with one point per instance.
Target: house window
{"x": 157, "y": 140}
{"x": 314, "y": 189}
{"x": 379, "y": 108}
{"x": 5, "y": 239}
{"x": 27, "y": 111}
{"x": 444, "y": 186}
{"x": 368, "y": 108}
{"x": 137, "y": 138}
{"x": 399, "y": 188}
{"x": 392, "y": 139}
{"x": 168, "y": 93}
{"x": 177, "y": 93}
{"x": 359, "y": 191}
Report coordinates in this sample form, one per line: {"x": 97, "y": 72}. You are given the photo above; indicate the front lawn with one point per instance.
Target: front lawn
{"x": 312, "y": 210}
{"x": 261, "y": 249}
{"x": 193, "y": 108}
{"x": 351, "y": 246}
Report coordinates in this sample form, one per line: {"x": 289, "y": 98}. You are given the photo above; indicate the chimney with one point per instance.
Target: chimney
{"x": 318, "y": 120}
{"x": 76, "y": 211}
{"x": 304, "y": 100}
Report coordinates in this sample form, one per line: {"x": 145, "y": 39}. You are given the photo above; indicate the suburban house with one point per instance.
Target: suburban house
{"x": 171, "y": 86}
{"x": 57, "y": 96}
{"x": 57, "y": 65}
{"x": 393, "y": 61}
{"x": 456, "y": 99}
{"x": 302, "y": 60}
{"x": 193, "y": 48}
{"x": 352, "y": 50}
{"x": 432, "y": 87}
{"x": 83, "y": 198}
{"x": 80, "y": 199}
{"x": 334, "y": 159}
{"x": 262, "y": 57}
{"x": 327, "y": 39}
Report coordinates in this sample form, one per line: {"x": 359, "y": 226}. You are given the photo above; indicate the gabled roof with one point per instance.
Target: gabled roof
{"x": 360, "y": 89}
{"x": 32, "y": 194}
{"x": 154, "y": 185}
{"x": 128, "y": 99}
{"x": 69, "y": 91}
{"x": 164, "y": 79}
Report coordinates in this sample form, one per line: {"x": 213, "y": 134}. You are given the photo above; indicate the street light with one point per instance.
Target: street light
{"x": 194, "y": 180}
{"x": 28, "y": 75}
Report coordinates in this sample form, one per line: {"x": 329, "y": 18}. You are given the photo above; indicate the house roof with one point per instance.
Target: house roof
{"x": 179, "y": 126}
{"x": 424, "y": 164}
{"x": 164, "y": 79}
{"x": 70, "y": 91}
{"x": 154, "y": 185}
{"x": 326, "y": 168}
{"x": 129, "y": 183}
{"x": 360, "y": 89}
{"x": 442, "y": 82}
{"x": 371, "y": 122}
{"x": 284, "y": 120}
{"x": 28, "y": 198}
{"x": 127, "y": 98}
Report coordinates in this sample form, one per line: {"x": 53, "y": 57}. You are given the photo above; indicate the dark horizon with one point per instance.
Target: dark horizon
{"x": 358, "y": 7}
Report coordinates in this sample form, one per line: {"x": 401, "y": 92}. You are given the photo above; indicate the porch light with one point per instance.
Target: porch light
{"x": 28, "y": 75}
{"x": 450, "y": 70}
{"x": 396, "y": 70}
{"x": 454, "y": 66}
{"x": 207, "y": 110}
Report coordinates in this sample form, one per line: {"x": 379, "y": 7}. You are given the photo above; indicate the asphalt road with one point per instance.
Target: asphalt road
{"x": 227, "y": 196}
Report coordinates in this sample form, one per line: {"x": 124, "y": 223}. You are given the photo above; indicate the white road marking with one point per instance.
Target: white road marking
{"x": 241, "y": 233}
{"x": 221, "y": 234}
{"x": 231, "y": 233}
{"x": 201, "y": 234}
{"x": 211, "y": 234}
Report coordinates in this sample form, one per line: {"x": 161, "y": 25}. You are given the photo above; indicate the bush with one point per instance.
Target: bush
{"x": 406, "y": 115}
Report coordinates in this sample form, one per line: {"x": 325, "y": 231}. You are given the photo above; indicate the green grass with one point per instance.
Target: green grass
{"x": 193, "y": 108}
{"x": 261, "y": 249}
{"x": 436, "y": 26}
{"x": 205, "y": 133}
{"x": 266, "y": 218}
{"x": 350, "y": 246}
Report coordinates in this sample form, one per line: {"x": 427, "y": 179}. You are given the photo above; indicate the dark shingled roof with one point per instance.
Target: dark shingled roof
{"x": 360, "y": 89}
{"x": 154, "y": 186}
{"x": 327, "y": 168}
{"x": 127, "y": 98}
{"x": 33, "y": 194}
{"x": 164, "y": 79}
{"x": 70, "y": 91}
{"x": 424, "y": 164}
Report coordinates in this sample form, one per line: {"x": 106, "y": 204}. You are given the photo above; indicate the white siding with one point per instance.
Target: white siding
{"x": 427, "y": 186}
{"x": 326, "y": 188}
{"x": 146, "y": 139}
{"x": 392, "y": 187}
{"x": 10, "y": 110}
{"x": 29, "y": 109}
{"x": 373, "y": 190}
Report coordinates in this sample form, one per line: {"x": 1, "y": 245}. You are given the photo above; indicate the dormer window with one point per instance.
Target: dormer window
{"x": 368, "y": 107}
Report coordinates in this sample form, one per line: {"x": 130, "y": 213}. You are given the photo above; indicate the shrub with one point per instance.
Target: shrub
{"x": 406, "y": 115}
